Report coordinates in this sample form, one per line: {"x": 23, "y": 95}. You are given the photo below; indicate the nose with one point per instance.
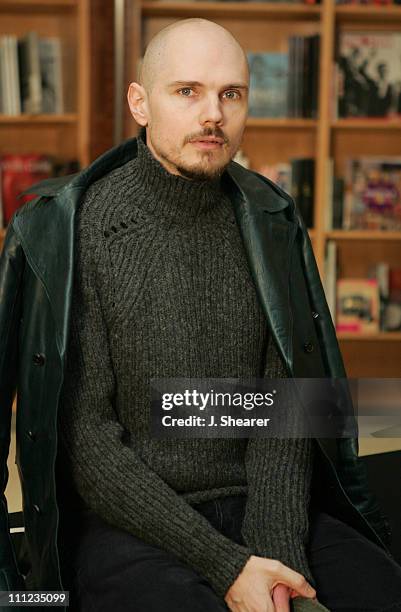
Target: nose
{"x": 211, "y": 110}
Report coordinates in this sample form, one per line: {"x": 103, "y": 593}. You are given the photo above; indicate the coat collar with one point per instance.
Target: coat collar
{"x": 264, "y": 213}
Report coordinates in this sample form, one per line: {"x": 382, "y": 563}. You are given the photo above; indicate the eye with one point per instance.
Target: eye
{"x": 185, "y": 89}
{"x": 232, "y": 91}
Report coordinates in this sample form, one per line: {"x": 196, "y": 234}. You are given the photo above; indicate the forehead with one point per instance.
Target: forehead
{"x": 205, "y": 58}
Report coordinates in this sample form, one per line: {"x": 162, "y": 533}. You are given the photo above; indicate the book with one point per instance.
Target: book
{"x": 15, "y": 84}
{"x": 285, "y": 84}
{"x": 29, "y": 73}
{"x": 330, "y": 277}
{"x": 369, "y": 73}
{"x": 372, "y": 198}
{"x": 392, "y": 309}
{"x": 303, "y": 187}
{"x": 297, "y": 179}
{"x": 302, "y": 92}
{"x": 10, "y": 87}
{"x": 5, "y": 99}
{"x": 268, "y": 84}
{"x": 389, "y": 281}
{"x": 51, "y": 75}
{"x": 17, "y": 173}
{"x": 357, "y": 305}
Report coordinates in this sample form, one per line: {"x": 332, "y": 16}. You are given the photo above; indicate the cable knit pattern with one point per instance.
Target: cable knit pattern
{"x": 162, "y": 289}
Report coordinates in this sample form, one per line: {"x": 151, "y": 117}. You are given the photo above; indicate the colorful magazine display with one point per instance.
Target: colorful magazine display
{"x": 373, "y": 194}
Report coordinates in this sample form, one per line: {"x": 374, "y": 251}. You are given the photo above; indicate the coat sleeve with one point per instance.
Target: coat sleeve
{"x": 106, "y": 470}
{"x": 11, "y": 269}
{"x": 354, "y": 476}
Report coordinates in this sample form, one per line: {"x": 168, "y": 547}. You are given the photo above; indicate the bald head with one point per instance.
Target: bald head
{"x": 194, "y": 83}
{"x": 180, "y": 36}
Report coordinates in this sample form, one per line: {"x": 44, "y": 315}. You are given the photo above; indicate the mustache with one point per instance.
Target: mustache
{"x": 209, "y": 132}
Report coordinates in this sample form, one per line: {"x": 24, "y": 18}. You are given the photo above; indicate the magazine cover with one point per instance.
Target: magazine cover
{"x": 373, "y": 194}
{"x": 369, "y": 74}
{"x": 357, "y": 305}
{"x": 268, "y": 84}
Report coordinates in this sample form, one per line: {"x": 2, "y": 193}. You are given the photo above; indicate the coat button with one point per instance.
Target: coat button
{"x": 37, "y": 509}
{"x": 38, "y": 359}
{"x": 315, "y": 314}
{"x": 31, "y": 435}
{"x": 308, "y": 347}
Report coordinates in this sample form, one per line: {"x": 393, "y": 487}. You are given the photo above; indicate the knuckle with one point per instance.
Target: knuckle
{"x": 276, "y": 565}
{"x": 301, "y": 581}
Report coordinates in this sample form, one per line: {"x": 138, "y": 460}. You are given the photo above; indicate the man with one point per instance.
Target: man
{"x": 179, "y": 272}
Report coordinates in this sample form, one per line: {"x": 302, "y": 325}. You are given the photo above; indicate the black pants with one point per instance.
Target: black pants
{"x": 109, "y": 570}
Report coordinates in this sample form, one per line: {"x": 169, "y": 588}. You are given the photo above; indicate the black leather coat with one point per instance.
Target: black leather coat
{"x": 36, "y": 276}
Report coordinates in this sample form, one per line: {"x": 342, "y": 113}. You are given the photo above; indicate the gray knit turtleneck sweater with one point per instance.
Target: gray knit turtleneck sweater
{"x": 162, "y": 289}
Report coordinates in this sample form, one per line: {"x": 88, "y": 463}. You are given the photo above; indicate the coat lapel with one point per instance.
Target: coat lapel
{"x": 48, "y": 236}
{"x": 268, "y": 236}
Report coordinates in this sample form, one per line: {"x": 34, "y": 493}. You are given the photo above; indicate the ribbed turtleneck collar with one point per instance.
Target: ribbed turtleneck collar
{"x": 168, "y": 195}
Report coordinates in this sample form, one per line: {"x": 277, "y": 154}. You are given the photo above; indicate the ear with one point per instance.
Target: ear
{"x": 137, "y": 102}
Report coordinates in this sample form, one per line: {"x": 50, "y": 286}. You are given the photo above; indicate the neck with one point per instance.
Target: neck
{"x": 170, "y": 195}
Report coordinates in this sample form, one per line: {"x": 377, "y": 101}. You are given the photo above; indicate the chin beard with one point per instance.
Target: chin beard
{"x": 199, "y": 174}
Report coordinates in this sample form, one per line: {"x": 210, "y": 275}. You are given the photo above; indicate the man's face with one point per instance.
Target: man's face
{"x": 201, "y": 91}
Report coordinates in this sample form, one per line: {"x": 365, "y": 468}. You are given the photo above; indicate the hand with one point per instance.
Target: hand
{"x": 253, "y": 589}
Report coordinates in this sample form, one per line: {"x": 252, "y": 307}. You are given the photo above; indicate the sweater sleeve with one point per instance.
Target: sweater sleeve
{"x": 279, "y": 472}
{"x": 109, "y": 475}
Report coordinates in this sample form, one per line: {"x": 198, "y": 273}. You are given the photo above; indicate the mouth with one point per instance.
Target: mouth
{"x": 208, "y": 143}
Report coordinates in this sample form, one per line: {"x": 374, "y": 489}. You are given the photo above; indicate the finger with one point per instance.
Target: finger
{"x": 291, "y": 578}
{"x": 281, "y": 598}
{"x": 270, "y": 607}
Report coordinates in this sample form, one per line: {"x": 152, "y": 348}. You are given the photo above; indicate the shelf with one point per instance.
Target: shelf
{"x": 363, "y": 235}
{"x": 380, "y": 336}
{"x": 371, "y": 13}
{"x": 37, "y": 6}
{"x": 41, "y": 119}
{"x": 281, "y": 122}
{"x": 364, "y": 123}
{"x": 243, "y": 10}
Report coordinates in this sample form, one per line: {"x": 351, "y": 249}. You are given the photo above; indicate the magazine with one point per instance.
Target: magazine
{"x": 369, "y": 74}
{"x": 268, "y": 84}
{"x": 373, "y": 194}
{"x": 357, "y": 305}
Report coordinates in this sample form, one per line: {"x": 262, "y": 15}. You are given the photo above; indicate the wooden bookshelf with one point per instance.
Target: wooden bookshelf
{"x": 239, "y": 10}
{"x": 26, "y": 119}
{"x": 85, "y": 130}
{"x": 363, "y": 235}
{"x": 368, "y": 14}
{"x": 31, "y": 6}
{"x": 264, "y": 26}
{"x": 66, "y": 136}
